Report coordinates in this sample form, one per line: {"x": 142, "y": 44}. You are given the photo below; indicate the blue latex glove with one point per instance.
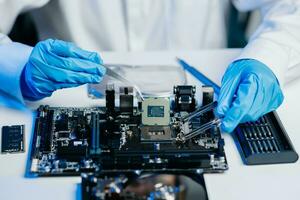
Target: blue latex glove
{"x": 249, "y": 90}
{"x": 55, "y": 64}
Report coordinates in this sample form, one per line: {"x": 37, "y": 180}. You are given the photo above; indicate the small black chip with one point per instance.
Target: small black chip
{"x": 12, "y": 139}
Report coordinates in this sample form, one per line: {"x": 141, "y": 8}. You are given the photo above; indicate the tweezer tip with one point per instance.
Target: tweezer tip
{"x": 178, "y": 59}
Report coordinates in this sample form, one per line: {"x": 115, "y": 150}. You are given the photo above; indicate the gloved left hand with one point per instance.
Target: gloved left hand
{"x": 55, "y": 64}
{"x": 249, "y": 90}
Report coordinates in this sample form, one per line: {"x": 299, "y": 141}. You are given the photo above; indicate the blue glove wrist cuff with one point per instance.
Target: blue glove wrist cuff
{"x": 28, "y": 91}
{"x": 257, "y": 65}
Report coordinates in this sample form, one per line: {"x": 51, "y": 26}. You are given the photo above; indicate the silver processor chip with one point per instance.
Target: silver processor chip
{"x": 156, "y": 111}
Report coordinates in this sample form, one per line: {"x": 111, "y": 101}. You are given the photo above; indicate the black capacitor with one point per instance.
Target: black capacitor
{"x": 140, "y": 104}
{"x": 185, "y": 98}
{"x": 126, "y": 100}
{"x": 208, "y": 97}
{"x": 110, "y": 100}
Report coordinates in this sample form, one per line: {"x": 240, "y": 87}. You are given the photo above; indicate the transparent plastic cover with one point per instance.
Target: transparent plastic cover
{"x": 152, "y": 80}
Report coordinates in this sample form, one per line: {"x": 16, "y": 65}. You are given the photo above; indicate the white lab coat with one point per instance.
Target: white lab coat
{"x": 135, "y": 25}
{"x": 138, "y": 25}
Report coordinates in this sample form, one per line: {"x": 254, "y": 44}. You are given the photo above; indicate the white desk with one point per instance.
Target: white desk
{"x": 239, "y": 182}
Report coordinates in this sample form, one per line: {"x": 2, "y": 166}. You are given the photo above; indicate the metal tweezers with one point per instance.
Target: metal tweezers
{"x": 193, "y": 133}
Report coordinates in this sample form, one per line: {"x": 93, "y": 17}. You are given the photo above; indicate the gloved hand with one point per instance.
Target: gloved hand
{"x": 55, "y": 64}
{"x": 249, "y": 90}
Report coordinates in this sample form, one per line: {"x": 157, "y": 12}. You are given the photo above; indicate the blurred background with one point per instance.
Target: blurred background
{"x": 239, "y": 25}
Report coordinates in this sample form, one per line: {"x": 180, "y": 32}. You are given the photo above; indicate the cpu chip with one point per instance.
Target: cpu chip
{"x": 156, "y": 111}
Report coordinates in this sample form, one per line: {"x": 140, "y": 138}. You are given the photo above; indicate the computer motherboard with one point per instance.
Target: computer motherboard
{"x": 155, "y": 135}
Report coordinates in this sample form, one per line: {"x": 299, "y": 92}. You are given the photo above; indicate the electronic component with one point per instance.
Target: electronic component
{"x": 13, "y": 139}
{"x": 156, "y": 134}
{"x": 208, "y": 97}
{"x": 110, "y": 100}
{"x": 112, "y": 144}
{"x": 265, "y": 141}
{"x": 156, "y": 111}
{"x": 151, "y": 138}
{"x": 185, "y": 98}
{"x": 119, "y": 186}
{"x": 126, "y": 100}
{"x": 95, "y": 134}
{"x": 45, "y": 127}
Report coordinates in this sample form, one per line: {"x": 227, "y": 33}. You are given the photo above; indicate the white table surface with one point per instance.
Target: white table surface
{"x": 239, "y": 182}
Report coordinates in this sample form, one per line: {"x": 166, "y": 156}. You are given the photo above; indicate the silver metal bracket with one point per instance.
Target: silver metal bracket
{"x": 185, "y": 121}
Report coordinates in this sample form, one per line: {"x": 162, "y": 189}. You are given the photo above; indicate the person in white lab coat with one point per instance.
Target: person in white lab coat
{"x": 250, "y": 86}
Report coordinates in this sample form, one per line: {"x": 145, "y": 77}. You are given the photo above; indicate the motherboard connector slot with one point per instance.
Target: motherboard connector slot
{"x": 95, "y": 136}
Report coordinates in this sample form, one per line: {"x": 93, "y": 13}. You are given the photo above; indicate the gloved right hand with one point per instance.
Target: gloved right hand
{"x": 55, "y": 64}
{"x": 249, "y": 90}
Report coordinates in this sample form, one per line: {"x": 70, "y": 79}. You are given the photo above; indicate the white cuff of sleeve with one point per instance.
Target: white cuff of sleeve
{"x": 13, "y": 57}
{"x": 273, "y": 55}
{"x": 4, "y": 39}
